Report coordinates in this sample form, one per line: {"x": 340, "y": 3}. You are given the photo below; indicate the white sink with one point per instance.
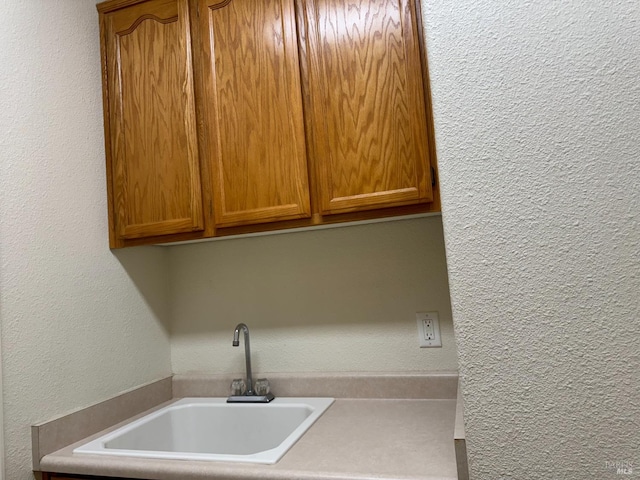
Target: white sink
{"x": 211, "y": 429}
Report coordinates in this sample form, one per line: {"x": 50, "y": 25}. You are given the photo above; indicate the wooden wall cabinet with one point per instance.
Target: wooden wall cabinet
{"x": 234, "y": 116}
{"x": 253, "y": 112}
{"x": 367, "y": 109}
{"x": 153, "y": 165}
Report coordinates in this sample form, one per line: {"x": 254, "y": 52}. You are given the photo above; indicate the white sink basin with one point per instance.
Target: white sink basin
{"x": 211, "y": 429}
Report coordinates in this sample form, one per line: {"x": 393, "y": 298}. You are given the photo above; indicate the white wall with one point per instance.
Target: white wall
{"x": 76, "y": 326}
{"x": 537, "y": 112}
{"x": 337, "y": 300}
{"x": 2, "y": 476}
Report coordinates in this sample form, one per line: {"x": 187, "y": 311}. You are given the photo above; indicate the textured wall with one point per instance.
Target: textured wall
{"x": 537, "y": 110}
{"x": 2, "y": 477}
{"x": 335, "y": 300}
{"x": 78, "y": 324}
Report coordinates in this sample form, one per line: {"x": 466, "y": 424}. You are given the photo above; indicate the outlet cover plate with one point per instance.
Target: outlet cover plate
{"x": 428, "y": 329}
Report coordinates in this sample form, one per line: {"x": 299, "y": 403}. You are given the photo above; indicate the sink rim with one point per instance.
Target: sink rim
{"x": 318, "y": 405}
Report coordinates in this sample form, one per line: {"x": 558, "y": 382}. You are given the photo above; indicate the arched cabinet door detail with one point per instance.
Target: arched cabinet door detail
{"x": 253, "y": 111}
{"x": 152, "y": 150}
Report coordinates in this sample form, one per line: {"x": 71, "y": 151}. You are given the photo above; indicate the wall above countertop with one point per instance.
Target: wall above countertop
{"x": 338, "y": 300}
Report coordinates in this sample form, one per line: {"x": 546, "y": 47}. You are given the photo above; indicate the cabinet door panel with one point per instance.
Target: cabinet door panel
{"x": 155, "y": 172}
{"x": 253, "y": 102}
{"x": 367, "y": 115}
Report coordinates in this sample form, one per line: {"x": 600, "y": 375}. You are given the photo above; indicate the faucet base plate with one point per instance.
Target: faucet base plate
{"x": 251, "y": 398}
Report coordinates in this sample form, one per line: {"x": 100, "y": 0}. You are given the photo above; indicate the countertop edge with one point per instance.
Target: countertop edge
{"x": 65, "y": 463}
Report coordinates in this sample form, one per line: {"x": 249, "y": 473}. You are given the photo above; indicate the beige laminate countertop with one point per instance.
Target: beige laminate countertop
{"x": 355, "y": 439}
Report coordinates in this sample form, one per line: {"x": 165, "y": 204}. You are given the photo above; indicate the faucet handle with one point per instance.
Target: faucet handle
{"x": 238, "y": 387}
{"x": 262, "y": 387}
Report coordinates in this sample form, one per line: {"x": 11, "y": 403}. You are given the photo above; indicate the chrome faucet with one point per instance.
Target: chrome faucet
{"x": 247, "y": 353}
{"x": 250, "y": 396}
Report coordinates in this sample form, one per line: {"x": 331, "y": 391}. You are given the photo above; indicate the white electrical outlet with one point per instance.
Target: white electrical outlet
{"x": 428, "y": 329}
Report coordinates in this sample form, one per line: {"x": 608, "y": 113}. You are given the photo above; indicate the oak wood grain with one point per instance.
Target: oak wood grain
{"x": 253, "y": 109}
{"x": 366, "y": 104}
{"x": 155, "y": 169}
{"x": 435, "y": 204}
{"x": 114, "y": 240}
{"x": 317, "y": 219}
{"x": 249, "y": 65}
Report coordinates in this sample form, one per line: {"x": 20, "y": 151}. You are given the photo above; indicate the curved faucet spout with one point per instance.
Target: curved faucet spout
{"x": 247, "y": 352}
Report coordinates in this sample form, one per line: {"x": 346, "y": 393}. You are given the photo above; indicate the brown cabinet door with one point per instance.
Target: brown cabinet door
{"x": 367, "y": 115}
{"x": 253, "y": 111}
{"x": 152, "y": 152}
